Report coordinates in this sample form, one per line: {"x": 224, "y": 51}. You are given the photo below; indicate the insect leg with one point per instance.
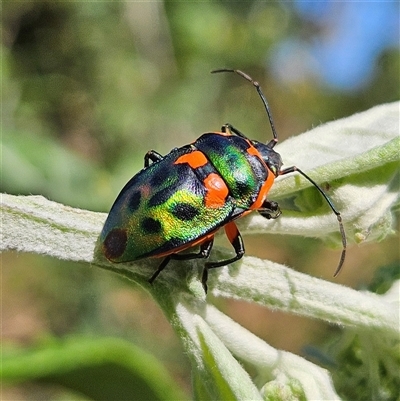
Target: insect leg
{"x": 160, "y": 268}
{"x": 205, "y": 249}
{"x": 270, "y": 210}
{"x": 153, "y": 156}
{"x": 230, "y": 128}
{"x": 236, "y": 240}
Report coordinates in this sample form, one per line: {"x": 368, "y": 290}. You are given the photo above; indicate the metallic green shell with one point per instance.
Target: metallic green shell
{"x": 243, "y": 172}
{"x": 161, "y": 209}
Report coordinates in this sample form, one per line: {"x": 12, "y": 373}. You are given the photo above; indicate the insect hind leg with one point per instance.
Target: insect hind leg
{"x": 160, "y": 268}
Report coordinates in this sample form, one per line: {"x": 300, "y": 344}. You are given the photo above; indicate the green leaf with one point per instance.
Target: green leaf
{"x": 281, "y": 288}
{"x": 229, "y": 380}
{"x": 101, "y": 369}
{"x": 61, "y": 174}
{"x": 361, "y": 174}
{"x": 295, "y": 374}
{"x": 358, "y": 157}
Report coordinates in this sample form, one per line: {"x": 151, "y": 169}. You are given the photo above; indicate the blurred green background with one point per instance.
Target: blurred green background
{"x": 88, "y": 88}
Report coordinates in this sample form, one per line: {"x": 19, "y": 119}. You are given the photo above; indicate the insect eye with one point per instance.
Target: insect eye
{"x": 272, "y": 167}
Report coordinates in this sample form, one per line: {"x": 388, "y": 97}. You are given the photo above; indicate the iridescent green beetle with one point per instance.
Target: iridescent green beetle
{"x": 182, "y": 199}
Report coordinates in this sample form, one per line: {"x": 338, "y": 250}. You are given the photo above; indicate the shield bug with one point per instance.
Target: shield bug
{"x": 182, "y": 199}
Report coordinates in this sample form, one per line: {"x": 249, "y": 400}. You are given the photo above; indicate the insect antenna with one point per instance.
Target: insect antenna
{"x": 293, "y": 169}
{"x": 338, "y": 215}
{"x": 274, "y": 141}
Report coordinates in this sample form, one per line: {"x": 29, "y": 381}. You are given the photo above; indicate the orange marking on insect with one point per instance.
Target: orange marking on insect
{"x": 231, "y": 231}
{"x": 253, "y": 151}
{"x": 264, "y": 190}
{"x": 203, "y": 239}
{"x": 217, "y": 191}
{"x": 223, "y": 133}
{"x": 195, "y": 242}
{"x": 194, "y": 159}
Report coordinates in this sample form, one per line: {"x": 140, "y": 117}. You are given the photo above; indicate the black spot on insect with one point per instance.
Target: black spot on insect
{"x": 115, "y": 243}
{"x": 134, "y": 201}
{"x": 160, "y": 197}
{"x": 184, "y": 211}
{"x": 151, "y": 226}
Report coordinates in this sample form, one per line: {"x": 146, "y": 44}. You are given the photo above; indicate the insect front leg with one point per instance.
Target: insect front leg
{"x": 228, "y": 128}
{"x": 153, "y": 156}
{"x": 236, "y": 240}
{"x": 270, "y": 210}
